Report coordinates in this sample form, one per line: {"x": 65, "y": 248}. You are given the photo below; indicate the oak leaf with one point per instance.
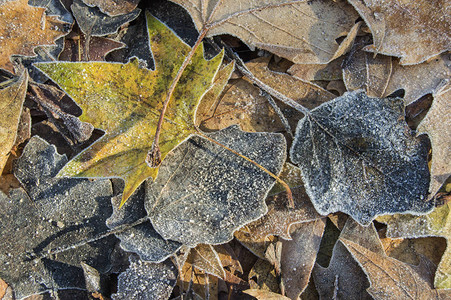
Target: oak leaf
{"x": 24, "y": 27}
{"x": 125, "y": 101}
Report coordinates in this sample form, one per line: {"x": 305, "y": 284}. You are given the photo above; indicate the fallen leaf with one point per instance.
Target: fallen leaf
{"x": 263, "y": 276}
{"x": 256, "y": 246}
{"x": 382, "y": 75}
{"x": 107, "y": 91}
{"x": 389, "y": 278}
{"x": 198, "y": 285}
{"x": 204, "y": 192}
{"x": 92, "y": 22}
{"x": 437, "y": 223}
{"x": 51, "y": 214}
{"x": 395, "y": 26}
{"x": 299, "y": 256}
{"x": 357, "y": 155}
{"x": 436, "y": 125}
{"x": 303, "y": 32}
{"x": 310, "y": 72}
{"x": 204, "y": 257}
{"x": 145, "y": 280}
{"x": 21, "y": 30}
{"x": 3, "y": 287}
{"x": 265, "y": 295}
{"x": 113, "y": 7}
{"x": 228, "y": 258}
{"x": 54, "y": 8}
{"x": 12, "y": 97}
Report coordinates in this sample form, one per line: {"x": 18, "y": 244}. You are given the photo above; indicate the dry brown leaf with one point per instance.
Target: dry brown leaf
{"x": 228, "y": 258}
{"x": 255, "y": 245}
{"x": 265, "y": 295}
{"x": 113, "y": 7}
{"x": 12, "y": 98}
{"x": 263, "y": 276}
{"x": 310, "y": 72}
{"x": 382, "y": 75}
{"x": 201, "y": 283}
{"x": 205, "y": 258}
{"x": 301, "y": 31}
{"x": 24, "y": 27}
{"x": 437, "y": 124}
{"x": 3, "y": 287}
{"x": 299, "y": 255}
{"x": 412, "y": 30}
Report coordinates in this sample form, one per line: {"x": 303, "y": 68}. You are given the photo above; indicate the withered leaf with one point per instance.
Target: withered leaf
{"x": 358, "y": 156}
{"x": 299, "y": 256}
{"x": 310, "y": 72}
{"x": 204, "y": 257}
{"x": 265, "y": 295}
{"x": 203, "y": 192}
{"x": 145, "y": 280}
{"x": 303, "y": 32}
{"x": 113, "y": 7}
{"x": 49, "y": 214}
{"x": 396, "y": 26}
{"x": 21, "y": 30}
{"x": 11, "y": 102}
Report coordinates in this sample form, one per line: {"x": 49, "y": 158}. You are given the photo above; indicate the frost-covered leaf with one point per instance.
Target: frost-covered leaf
{"x": 51, "y": 213}
{"x": 95, "y": 23}
{"x": 75, "y": 48}
{"x": 358, "y": 156}
{"x": 145, "y": 280}
{"x": 303, "y": 32}
{"x": 437, "y": 223}
{"x": 382, "y": 75}
{"x": 310, "y": 72}
{"x": 437, "y": 124}
{"x": 142, "y": 238}
{"x": 113, "y": 7}
{"x": 54, "y": 8}
{"x": 205, "y": 258}
{"x": 265, "y": 295}
{"x": 204, "y": 192}
{"x": 125, "y": 101}
{"x": 23, "y": 27}
{"x": 299, "y": 256}
{"x": 11, "y": 102}
{"x": 412, "y": 30}
{"x": 389, "y": 278}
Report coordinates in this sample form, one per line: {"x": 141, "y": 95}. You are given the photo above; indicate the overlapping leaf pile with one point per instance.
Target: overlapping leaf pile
{"x": 179, "y": 130}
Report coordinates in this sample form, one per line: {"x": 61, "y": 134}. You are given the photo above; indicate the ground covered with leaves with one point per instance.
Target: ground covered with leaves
{"x": 210, "y": 149}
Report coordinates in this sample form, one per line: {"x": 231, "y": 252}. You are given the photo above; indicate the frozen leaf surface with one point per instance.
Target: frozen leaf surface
{"x": 51, "y": 213}
{"x": 11, "y": 102}
{"x": 205, "y": 192}
{"x": 357, "y": 156}
{"x": 95, "y": 23}
{"x": 437, "y": 223}
{"x": 113, "y": 7}
{"x": 24, "y": 27}
{"x": 142, "y": 238}
{"x": 205, "y": 258}
{"x": 412, "y": 30}
{"x": 145, "y": 280}
{"x": 54, "y": 8}
{"x": 125, "y": 101}
{"x": 303, "y": 32}
{"x": 437, "y": 124}
{"x": 265, "y": 295}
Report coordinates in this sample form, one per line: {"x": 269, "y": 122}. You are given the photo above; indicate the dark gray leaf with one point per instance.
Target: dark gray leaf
{"x": 95, "y": 23}
{"x": 54, "y": 8}
{"x": 141, "y": 239}
{"x": 51, "y": 213}
{"x": 113, "y": 7}
{"x": 358, "y": 156}
{"x": 145, "y": 280}
{"x": 203, "y": 192}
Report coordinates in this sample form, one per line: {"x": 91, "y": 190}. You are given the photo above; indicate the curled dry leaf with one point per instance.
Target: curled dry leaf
{"x": 411, "y": 30}
{"x": 125, "y": 100}
{"x": 303, "y": 32}
{"x": 113, "y": 7}
{"x": 358, "y": 156}
{"x": 11, "y": 102}
{"x": 436, "y": 125}
{"x": 437, "y": 223}
{"x": 204, "y": 192}
{"x": 24, "y": 27}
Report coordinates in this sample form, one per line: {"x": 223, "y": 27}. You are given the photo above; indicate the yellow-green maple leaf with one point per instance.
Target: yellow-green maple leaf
{"x": 125, "y": 101}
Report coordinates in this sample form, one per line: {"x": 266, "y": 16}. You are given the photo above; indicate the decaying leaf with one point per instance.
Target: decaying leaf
{"x": 437, "y": 124}
{"x": 114, "y": 7}
{"x": 125, "y": 100}
{"x": 310, "y": 72}
{"x": 51, "y": 213}
{"x": 303, "y": 32}
{"x": 205, "y": 258}
{"x": 205, "y": 192}
{"x": 263, "y": 276}
{"x": 99, "y": 47}
{"x": 11, "y": 101}
{"x": 265, "y": 295}
{"x": 145, "y": 280}
{"x": 23, "y": 27}
{"x": 389, "y": 278}
{"x": 411, "y": 30}
{"x": 437, "y": 223}
{"x": 358, "y": 156}
{"x": 299, "y": 256}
